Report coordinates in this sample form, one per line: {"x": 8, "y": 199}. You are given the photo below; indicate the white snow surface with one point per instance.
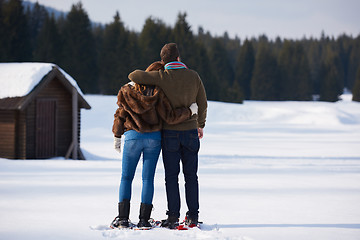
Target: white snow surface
{"x": 267, "y": 171}
{"x": 19, "y": 79}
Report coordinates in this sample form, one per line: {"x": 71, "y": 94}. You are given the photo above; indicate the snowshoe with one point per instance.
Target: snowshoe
{"x": 171, "y": 222}
{"x": 120, "y": 223}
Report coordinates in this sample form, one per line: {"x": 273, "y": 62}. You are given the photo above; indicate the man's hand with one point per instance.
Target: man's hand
{"x": 117, "y": 144}
{"x": 200, "y": 133}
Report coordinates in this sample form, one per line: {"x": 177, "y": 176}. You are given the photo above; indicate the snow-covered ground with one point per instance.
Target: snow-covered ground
{"x": 267, "y": 170}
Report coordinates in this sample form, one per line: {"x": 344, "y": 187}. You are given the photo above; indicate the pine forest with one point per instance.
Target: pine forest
{"x": 100, "y": 56}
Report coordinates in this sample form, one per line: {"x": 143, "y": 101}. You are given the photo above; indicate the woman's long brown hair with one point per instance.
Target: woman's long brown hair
{"x": 155, "y": 66}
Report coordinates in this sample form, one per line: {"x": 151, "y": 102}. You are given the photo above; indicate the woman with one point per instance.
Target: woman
{"x": 142, "y": 109}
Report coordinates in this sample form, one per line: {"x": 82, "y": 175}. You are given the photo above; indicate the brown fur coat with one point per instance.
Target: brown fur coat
{"x": 145, "y": 113}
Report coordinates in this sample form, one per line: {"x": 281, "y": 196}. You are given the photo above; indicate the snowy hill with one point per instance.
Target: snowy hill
{"x": 267, "y": 170}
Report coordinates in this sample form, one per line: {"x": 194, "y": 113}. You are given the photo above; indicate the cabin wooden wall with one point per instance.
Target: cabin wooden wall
{"x": 7, "y": 133}
{"x": 53, "y": 90}
{"x": 20, "y": 135}
{"x": 30, "y": 130}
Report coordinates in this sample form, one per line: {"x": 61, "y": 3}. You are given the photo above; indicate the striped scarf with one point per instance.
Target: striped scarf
{"x": 175, "y": 65}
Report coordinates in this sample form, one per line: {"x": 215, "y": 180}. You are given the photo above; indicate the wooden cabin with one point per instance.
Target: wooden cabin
{"x": 39, "y": 112}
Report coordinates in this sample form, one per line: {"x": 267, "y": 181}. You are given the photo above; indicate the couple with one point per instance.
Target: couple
{"x": 153, "y": 114}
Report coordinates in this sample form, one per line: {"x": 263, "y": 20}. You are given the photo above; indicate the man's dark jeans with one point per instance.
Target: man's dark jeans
{"x": 184, "y": 146}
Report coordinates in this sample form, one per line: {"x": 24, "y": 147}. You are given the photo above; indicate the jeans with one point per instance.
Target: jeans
{"x": 184, "y": 146}
{"x": 150, "y": 148}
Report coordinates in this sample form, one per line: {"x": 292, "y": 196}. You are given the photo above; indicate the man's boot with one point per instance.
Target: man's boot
{"x": 171, "y": 222}
{"x": 191, "y": 220}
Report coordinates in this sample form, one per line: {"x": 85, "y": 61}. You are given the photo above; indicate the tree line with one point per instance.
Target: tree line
{"x": 100, "y": 57}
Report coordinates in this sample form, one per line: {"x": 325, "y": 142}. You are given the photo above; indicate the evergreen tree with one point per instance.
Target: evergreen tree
{"x": 335, "y": 49}
{"x": 303, "y": 77}
{"x": 134, "y": 60}
{"x": 183, "y": 36}
{"x": 2, "y": 33}
{"x": 356, "y": 88}
{"x": 195, "y": 55}
{"x": 232, "y": 47}
{"x": 354, "y": 61}
{"x": 36, "y": 19}
{"x": 207, "y": 73}
{"x": 114, "y": 57}
{"x": 265, "y": 80}
{"x": 244, "y": 68}
{"x": 48, "y": 46}
{"x": 314, "y": 50}
{"x": 344, "y": 49}
{"x": 79, "y": 49}
{"x": 287, "y": 64}
{"x": 330, "y": 88}
{"x": 204, "y": 38}
{"x": 223, "y": 71}
{"x": 235, "y": 93}
{"x": 15, "y": 42}
{"x": 155, "y": 34}
{"x": 295, "y": 83}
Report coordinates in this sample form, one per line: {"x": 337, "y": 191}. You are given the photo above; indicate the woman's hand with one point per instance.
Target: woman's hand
{"x": 117, "y": 144}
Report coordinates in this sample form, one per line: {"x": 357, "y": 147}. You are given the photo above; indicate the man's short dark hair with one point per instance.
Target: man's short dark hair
{"x": 169, "y": 53}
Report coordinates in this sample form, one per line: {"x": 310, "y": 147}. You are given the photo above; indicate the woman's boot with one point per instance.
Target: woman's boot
{"x": 145, "y": 212}
{"x": 122, "y": 220}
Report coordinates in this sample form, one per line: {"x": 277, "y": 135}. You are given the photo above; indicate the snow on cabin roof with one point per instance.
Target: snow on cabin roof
{"x": 19, "y": 79}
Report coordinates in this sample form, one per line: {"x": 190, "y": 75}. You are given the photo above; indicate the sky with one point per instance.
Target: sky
{"x": 244, "y": 19}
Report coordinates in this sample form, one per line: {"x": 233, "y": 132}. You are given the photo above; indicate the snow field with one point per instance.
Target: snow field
{"x": 267, "y": 171}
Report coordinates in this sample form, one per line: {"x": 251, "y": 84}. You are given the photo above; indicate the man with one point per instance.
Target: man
{"x": 180, "y": 142}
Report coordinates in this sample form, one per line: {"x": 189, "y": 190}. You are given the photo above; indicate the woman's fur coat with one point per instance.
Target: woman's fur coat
{"x": 145, "y": 113}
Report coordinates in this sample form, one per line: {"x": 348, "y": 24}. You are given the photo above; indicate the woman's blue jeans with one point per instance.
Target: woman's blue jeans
{"x": 150, "y": 149}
